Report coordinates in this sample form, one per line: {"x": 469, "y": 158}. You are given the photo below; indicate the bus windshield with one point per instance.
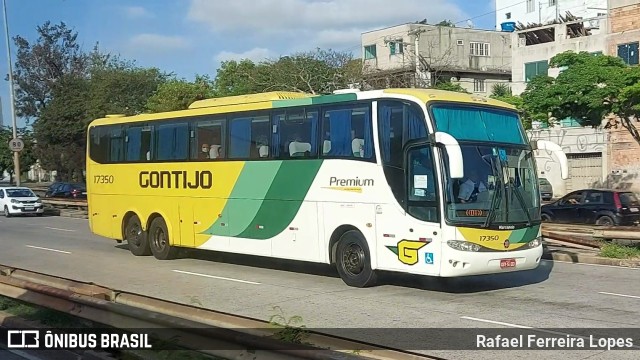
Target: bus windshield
{"x": 500, "y": 185}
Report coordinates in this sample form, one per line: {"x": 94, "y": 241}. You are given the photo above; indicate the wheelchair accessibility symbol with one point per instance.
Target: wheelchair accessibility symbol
{"x": 428, "y": 258}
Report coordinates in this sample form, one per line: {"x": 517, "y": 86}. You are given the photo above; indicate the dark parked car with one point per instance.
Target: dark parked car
{"x": 546, "y": 190}
{"x": 66, "y": 190}
{"x": 594, "y": 206}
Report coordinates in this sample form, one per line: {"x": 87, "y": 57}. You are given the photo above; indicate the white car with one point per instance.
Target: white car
{"x": 19, "y": 201}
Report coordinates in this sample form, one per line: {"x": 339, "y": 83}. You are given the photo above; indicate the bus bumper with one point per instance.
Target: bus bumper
{"x": 465, "y": 263}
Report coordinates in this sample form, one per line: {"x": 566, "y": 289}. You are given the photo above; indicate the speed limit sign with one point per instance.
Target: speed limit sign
{"x": 16, "y": 144}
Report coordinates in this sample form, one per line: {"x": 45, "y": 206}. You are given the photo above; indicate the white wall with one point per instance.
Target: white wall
{"x": 573, "y": 140}
{"x": 546, "y": 13}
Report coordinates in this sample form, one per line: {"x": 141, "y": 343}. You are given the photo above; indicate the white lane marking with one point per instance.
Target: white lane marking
{"x": 610, "y": 266}
{"x": 621, "y": 295}
{"x": 43, "y": 248}
{"x": 534, "y": 329}
{"x": 216, "y": 277}
{"x": 53, "y": 228}
{"x": 496, "y": 322}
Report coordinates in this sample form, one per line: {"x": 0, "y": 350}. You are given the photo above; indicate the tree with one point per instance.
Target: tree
{"x": 26, "y": 157}
{"x": 450, "y": 86}
{"x": 313, "y": 72}
{"x": 502, "y": 92}
{"x": 179, "y": 94}
{"x": 590, "y": 88}
{"x": 40, "y": 65}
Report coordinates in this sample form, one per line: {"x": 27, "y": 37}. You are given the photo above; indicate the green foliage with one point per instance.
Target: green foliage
{"x": 289, "y": 332}
{"x": 501, "y": 90}
{"x": 617, "y": 251}
{"x": 314, "y": 72}
{"x": 447, "y": 23}
{"x": 27, "y": 157}
{"x": 179, "y": 94}
{"x": 589, "y": 88}
{"x": 449, "y": 86}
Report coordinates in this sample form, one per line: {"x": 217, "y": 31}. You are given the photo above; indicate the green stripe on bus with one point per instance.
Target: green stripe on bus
{"x": 316, "y": 100}
{"x": 283, "y": 200}
{"x": 524, "y": 235}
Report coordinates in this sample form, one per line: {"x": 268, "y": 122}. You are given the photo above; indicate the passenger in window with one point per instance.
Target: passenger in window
{"x": 204, "y": 153}
{"x": 215, "y": 152}
{"x": 470, "y": 189}
{"x": 262, "y": 145}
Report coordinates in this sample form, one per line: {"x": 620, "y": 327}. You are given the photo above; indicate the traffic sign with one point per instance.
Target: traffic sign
{"x": 16, "y": 144}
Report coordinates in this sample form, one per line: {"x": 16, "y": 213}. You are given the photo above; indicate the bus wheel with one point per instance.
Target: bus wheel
{"x": 353, "y": 260}
{"x": 136, "y": 238}
{"x": 159, "y": 240}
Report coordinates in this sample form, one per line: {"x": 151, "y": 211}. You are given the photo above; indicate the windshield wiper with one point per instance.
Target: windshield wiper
{"x": 497, "y": 195}
{"x": 521, "y": 201}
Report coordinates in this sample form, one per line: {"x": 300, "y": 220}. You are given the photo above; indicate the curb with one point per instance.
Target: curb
{"x": 578, "y": 258}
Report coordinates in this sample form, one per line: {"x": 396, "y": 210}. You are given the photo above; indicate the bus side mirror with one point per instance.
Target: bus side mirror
{"x": 456, "y": 165}
{"x": 557, "y": 151}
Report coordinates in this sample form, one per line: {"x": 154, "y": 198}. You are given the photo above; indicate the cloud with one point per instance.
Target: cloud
{"x": 255, "y": 54}
{"x": 327, "y": 23}
{"x": 158, "y": 43}
{"x": 136, "y": 12}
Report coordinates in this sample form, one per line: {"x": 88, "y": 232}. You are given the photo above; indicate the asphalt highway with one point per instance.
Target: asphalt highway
{"x": 556, "y": 295}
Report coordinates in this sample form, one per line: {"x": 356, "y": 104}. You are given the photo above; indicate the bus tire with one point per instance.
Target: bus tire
{"x": 137, "y": 239}
{"x": 353, "y": 260}
{"x": 159, "y": 240}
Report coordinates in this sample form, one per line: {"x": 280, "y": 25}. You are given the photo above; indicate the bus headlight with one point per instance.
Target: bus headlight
{"x": 463, "y": 245}
{"x": 535, "y": 242}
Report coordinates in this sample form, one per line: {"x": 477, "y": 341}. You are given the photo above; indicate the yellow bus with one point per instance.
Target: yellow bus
{"x": 417, "y": 181}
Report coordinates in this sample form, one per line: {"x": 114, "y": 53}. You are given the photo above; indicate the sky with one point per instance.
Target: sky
{"x": 189, "y": 37}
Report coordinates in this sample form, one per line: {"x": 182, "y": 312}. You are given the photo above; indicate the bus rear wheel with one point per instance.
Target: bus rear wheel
{"x": 353, "y": 260}
{"x": 136, "y": 238}
{"x": 159, "y": 240}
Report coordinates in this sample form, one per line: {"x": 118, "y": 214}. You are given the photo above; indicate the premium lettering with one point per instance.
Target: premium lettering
{"x": 176, "y": 179}
{"x": 334, "y": 181}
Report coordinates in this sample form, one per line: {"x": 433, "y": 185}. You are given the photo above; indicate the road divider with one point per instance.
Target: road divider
{"x": 190, "y": 327}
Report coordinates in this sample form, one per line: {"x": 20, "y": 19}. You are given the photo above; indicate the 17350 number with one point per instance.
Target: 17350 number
{"x": 103, "y": 179}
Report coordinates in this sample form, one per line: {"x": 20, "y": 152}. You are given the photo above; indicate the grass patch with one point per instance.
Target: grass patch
{"x": 44, "y": 316}
{"x": 617, "y": 251}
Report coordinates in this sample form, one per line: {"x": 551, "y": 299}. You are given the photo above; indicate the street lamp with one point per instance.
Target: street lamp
{"x": 15, "y": 144}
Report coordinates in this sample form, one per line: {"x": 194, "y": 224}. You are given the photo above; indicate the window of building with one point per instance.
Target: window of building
{"x": 531, "y": 6}
{"x": 396, "y": 48}
{"x": 208, "y": 139}
{"x": 479, "y": 49}
{"x": 250, "y": 137}
{"x": 295, "y": 133}
{"x": 347, "y": 132}
{"x": 138, "y": 141}
{"x": 370, "y": 52}
{"x": 629, "y": 53}
{"x": 478, "y": 85}
{"x": 172, "y": 141}
{"x": 552, "y": 2}
{"x": 508, "y": 15}
{"x": 534, "y": 69}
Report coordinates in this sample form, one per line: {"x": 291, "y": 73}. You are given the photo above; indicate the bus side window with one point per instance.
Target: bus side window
{"x": 398, "y": 123}
{"x": 172, "y": 141}
{"x": 295, "y": 134}
{"x": 250, "y": 137}
{"x": 116, "y": 144}
{"x": 99, "y": 146}
{"x": 208, "y": 139}
{"x": 348, "y": 132}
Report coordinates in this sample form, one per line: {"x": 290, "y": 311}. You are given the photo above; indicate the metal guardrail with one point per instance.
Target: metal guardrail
{"x": 192, "y": 325}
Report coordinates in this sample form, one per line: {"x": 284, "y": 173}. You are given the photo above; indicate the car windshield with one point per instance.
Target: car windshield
{"x": 500, "y": 186}
{"x": 15, "y": 193}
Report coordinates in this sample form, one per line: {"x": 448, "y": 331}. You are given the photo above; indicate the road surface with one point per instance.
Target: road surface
{"x": 556, "y": 295}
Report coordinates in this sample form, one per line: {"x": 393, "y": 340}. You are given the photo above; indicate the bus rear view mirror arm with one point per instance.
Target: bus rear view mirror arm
{"x": 557, "y": 151}
{"x": 456, "y": 166}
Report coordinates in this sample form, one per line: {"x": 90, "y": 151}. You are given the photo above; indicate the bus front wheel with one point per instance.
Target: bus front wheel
{"x": 159, "y": 240}
{"x": 353, "y": 260}
{"x": 136, "y": 238}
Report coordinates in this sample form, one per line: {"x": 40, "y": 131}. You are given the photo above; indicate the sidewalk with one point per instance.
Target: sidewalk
{"x": 583, "y": 256}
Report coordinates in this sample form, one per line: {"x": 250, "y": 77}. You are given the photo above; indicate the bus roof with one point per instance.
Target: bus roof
{"x": 280, "y": 99}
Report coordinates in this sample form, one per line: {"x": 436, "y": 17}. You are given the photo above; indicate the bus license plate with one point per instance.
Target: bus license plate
{"x": 507, "y": 263}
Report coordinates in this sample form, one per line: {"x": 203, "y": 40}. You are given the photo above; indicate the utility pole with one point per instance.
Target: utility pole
{"x": 540, "y": 12}
{"x": 416, "y": 49}
{"x": 16, "y": 154}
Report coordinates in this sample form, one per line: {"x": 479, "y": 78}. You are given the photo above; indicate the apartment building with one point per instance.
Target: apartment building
{"x": 544, "y": 11}
{"x": 420, "y": 54}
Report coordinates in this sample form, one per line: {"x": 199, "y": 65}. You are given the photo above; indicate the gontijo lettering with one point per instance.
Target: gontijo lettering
{"x": 176, "y": 179}
{"x": 334, "y": 181}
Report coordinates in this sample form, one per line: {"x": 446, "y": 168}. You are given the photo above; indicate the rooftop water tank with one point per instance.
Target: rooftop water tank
{"x": 508, "y": 26}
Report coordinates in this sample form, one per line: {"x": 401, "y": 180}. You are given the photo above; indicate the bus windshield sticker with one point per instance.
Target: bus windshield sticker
{"x": 420, "y": 181}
